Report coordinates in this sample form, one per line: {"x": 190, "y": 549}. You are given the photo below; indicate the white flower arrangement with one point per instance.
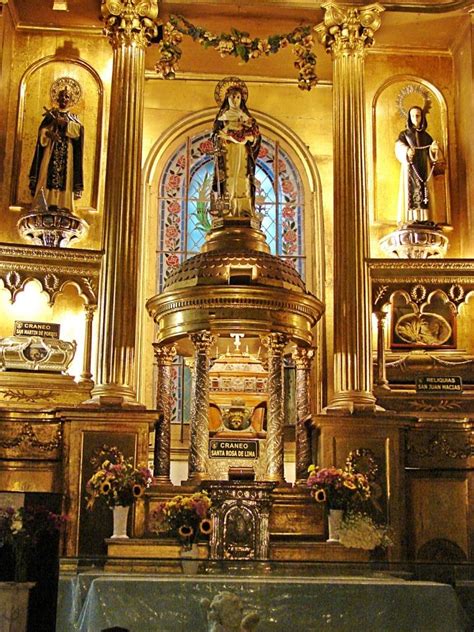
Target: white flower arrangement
{"x": 360, "y": 531}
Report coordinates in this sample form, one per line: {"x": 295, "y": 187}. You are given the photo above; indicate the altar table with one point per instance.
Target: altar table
{"x": 90, "y": 602}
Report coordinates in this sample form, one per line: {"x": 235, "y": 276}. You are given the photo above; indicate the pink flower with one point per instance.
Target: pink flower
{"x": 263, "y": 152}
{"x": 174, "y": 207}
{"x": 290, "y": 236}
{"x": 171, "y": 232}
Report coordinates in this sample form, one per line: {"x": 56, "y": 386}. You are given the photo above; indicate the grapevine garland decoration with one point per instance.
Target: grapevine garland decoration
{"x": 238, "y": 44}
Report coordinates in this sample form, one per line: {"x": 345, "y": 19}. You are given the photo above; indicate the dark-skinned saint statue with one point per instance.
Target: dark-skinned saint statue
{"x": 57, "y": 168}
{"x": 419, "y": 156}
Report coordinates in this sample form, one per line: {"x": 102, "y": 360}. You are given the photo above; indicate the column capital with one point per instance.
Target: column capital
{"x": 348, "y": 30}
{"x": 164, "y": 354}
{"x": 130, "y": 21}
{"x": 380, "y": 315}
{"x": 90, "y": 311}
{"x": 202, "y": 340}
{"x": 275, "y": 343}
{"x": 303, "y": 356}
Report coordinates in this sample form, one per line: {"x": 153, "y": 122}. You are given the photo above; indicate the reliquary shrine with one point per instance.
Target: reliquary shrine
{"x": 232, "y": 255}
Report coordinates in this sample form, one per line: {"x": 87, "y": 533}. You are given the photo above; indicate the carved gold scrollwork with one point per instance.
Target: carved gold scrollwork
{"x": 423, "y": 405}
{"x": 439, "y": 445}
{"x": 456, "y": 293}
{"x": 28, "y": 435}
{"x": 379, "y": 293}
{"x": 27, "y": 397}
{"x": 418, "y": 293}
{"x": 130, "y": 21}
{"x": 12, "y": 280}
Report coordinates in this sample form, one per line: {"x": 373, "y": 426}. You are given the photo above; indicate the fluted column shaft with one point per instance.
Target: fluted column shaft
{"x": 164, "y": 383}
{"x": 381, "y": 379}
{"x": 199, "y": 431}
{"x": 86, "y": 375}
{"x": 129, "y": 27}
{"x": 275, "y": 344}
{"x": 346, "y": 32}
{"x": 303, "y": 358}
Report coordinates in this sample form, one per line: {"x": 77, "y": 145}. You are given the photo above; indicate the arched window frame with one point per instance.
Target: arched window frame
{"x": 183, "y": 195}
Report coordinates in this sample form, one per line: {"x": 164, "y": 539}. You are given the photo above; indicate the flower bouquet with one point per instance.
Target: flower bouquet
{"x": 340, "y": 488}
{"x": 115, "y": 480}
{"x": 21, "y": 529}
{"x": 185, "y": 517}
{"x": 360, "y": 531}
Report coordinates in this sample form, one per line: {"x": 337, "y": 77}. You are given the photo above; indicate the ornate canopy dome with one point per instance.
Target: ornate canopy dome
{"x": 235, "y": 284}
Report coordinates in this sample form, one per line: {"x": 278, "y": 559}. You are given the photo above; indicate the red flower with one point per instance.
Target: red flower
{"x": 263, "y": 152}
{"x": 206, "y": 147}
{"x": 173, "y": 182}
{"x": 174, "y": 207}
{"x": 172, "y": 261}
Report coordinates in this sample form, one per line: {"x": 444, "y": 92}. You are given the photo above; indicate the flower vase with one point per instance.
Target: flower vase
{"x": 21, "y": 558}
{"x": 334, "y": 524}
{"x": 120, "y": 514}
{"x": 190, "y": 559}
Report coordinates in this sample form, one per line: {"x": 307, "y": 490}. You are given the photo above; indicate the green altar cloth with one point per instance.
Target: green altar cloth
{"x": 91, "y": 602}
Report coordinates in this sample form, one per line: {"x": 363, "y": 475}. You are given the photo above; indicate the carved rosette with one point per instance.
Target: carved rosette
{"x": 199, "y": 431}
{"x": 303, "y": 358}
{"x": 347, "y": 30}
{"x": 164, "y": 356}
{"x": 130, "y": 21}
{"x": 275, "y": 344}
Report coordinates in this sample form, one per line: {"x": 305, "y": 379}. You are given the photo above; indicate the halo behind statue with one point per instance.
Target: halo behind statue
{"x": 224, "y": 85}
{"x": 409, "y": 97}
{"x": 71, "y": 85}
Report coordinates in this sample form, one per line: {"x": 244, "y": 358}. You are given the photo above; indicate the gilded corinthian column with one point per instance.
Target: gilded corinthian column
{"x": 164, "y": 358}
{"x": 199, "y": 431}
{"x": 275, "y": 344}
{"x": 303, "y": 358}
{"x": 129, "y": 26}
{"x": 346, "y": 33}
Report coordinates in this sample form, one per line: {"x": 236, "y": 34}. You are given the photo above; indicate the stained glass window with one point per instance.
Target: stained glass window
{"x": 184, "y": 191}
